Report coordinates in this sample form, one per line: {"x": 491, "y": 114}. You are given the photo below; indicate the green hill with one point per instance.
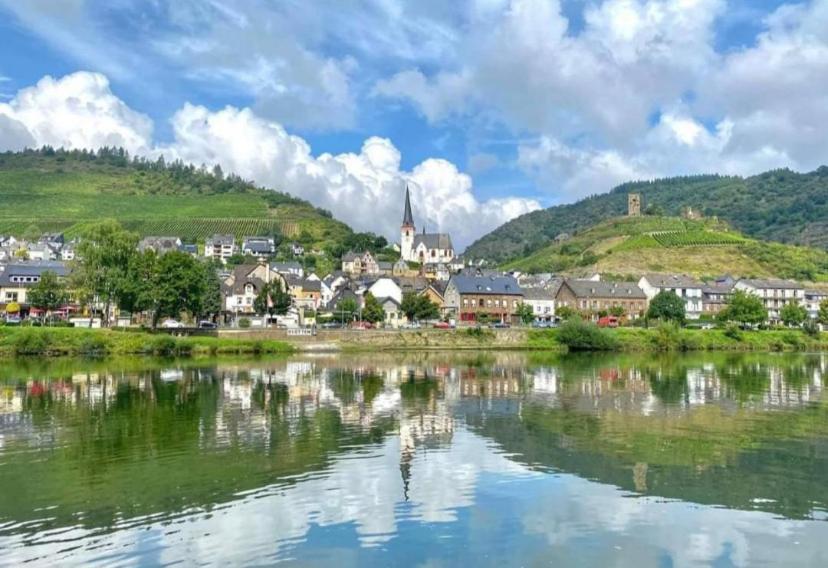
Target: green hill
{"x": 636, "y": 245}
{"x": 54, "y": 190}
{"x": 780, "y": 205}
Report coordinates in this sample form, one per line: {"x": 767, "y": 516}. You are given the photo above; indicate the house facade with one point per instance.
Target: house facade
{"x": 591, "y": 297}
{"x": 356, "y": 264}
{"x": 470, "y": 297}
{"x": 813, "y": 298}
{"x": 220, "y": 247}
{"x": 774, "y": 294}
{"x": 260, "y": 247}
{"x": 244, "y": 284}
{"x": 688, "y": 289}
{"x": 160, "y": 245}
{"x": 18, "y": 278}
{"x": 542, "y": 302}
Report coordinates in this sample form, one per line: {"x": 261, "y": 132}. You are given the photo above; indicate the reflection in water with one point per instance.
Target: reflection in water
{"x": 503, "y": 459}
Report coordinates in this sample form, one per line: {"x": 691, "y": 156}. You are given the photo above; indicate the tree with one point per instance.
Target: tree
{"x": 526, "y": 313}
{"x": 272, "y": 299}
{"x": 617, "y": 311}
{"x": 372, "y": 311}
{"x": 49, "y": 294}
{"x": 102, "y": 264}
{"x": 744, "y": 308}
{"x": 793, "y": 314}
{"x": 823, "y": 312}
{"x": 345, "y": 309}
{"x": 667, "y": 306}
{"x": 418, "y": 307}
{"x": 565, "y": 312}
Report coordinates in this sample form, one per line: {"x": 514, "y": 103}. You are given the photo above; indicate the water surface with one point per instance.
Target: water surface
{"x": 424, "y": 459}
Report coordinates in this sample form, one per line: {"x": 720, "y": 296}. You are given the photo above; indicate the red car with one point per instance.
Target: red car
{"x": 608, "y": 321}
{"x": 442, "y": 325}
{"x": 362, "y": 325}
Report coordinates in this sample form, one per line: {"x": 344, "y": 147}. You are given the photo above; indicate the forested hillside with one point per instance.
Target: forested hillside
{"x": 56, "y": 190}
{"x": 779, "y": 205}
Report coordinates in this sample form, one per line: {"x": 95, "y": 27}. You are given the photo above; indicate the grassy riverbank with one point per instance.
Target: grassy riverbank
{"x": 40, "y": 341}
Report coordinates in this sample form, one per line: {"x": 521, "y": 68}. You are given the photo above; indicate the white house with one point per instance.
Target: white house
{"x": 220, "y": 247}
{"x": 774, "y": 293}
{"x": 542, "y": 302}
{"x": 386, "y": 288}
{"x": 687, "y": 288}
{"x": 813, "y": 298}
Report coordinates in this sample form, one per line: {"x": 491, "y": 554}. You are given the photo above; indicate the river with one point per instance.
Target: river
{"x": 416, "y": 459}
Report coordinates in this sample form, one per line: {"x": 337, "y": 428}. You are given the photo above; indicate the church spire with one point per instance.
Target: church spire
{"x": 408, "y": 218}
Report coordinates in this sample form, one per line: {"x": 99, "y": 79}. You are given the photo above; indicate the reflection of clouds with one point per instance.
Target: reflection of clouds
{"x": 622, "y": 530}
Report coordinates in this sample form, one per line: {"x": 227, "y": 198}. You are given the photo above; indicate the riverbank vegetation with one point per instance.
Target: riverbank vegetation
{"x": 40, "y": 341}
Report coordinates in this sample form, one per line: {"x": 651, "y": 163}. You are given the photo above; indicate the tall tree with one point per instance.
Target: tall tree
{"x": 49, "y": 294}
{"x": 526, "y": 313}
{"x": 418, "y": 307}
{"x": 667, "y": 306}
{"x": 823, "y": 312}
{"x": 744, "y": 308}
{"x": 272, "y": 299}
{"x": 372, "y": 311}
{"x": 793, "y": 314}
{"x": 102, "y": 264}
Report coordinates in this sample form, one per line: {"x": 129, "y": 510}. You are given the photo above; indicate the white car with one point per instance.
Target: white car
{"x": 171, "y": 324}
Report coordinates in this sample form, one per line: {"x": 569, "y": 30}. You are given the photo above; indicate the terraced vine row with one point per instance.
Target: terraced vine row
{"x": 695, "y": 239}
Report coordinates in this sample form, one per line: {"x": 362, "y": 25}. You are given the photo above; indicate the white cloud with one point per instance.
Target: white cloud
{"x": 76, "y": 111}
{"x": 588, "y": 98}
{"x": 364, "y": 189}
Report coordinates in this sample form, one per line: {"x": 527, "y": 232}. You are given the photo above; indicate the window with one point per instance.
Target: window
{"x": 11, "y": 296}
{"x": 481, "y": 302}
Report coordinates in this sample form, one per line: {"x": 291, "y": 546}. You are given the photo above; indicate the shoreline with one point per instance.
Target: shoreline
{"x": 62, "y": 342}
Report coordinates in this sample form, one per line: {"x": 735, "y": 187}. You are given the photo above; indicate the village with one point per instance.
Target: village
{"x": 428, "y": 285}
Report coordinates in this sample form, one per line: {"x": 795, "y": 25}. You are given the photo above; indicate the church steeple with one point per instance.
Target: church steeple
{"x": 408, "y": 218}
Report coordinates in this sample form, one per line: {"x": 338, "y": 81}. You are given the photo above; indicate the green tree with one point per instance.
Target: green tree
{"x": 345, "y": 309}
{"x": 565, "y": 312}
{"x": 49, "y": 294}
{"x": 793, "y": 314}
{"x": 667, "y": 306}
{"x": 744, "y": 308}
{"x": 418, "y": 307}
{"x": 525, "y": 313}
{"x": 372, "y": 310}
{"x": 617, "y": 311}
{"x": 272, "y": 299}
{"x": 101, "y": 269}
{"x": 823, "y": 312}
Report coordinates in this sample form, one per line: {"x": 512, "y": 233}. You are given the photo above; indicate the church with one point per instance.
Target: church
{"x": 425, "y": 248}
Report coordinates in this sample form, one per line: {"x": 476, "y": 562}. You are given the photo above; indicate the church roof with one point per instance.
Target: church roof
{"x": 433, "y": 241}
{"x": 408, "y": 217}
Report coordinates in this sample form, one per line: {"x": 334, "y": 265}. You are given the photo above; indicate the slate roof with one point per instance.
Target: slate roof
{"x": 408, "y": 218}
{"x": 221, "y": 240}
{"x": 433, "y": 240}
{"x": 31, "y": 269}
{"x": 499, "y": 285}
{"x": 159, "y": 244}
{"x": 597, "y": 289}
{"x": 286, "y": 266}
{"x": 772, "y": 283}
{"x": 538, "y": 294}
{"x": 258, "y": 245}
{"x": 672, "y": 281}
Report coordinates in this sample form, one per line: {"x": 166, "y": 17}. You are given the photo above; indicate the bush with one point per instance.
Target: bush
{"x": 31, "y": 342}
{"x": 244, "y": 323}
{"x": 732, "y": 331}
{"x": 579, "y": 335}
{"x": 666, "y": 336}
{"x": 163, "y": 345}
{"x": 93, "y": 344}
{"x": 480, "y": 333}
{"x": 811, "y": 328}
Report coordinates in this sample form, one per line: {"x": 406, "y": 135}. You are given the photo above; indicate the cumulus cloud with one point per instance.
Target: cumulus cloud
{"x": 639, "y": 91}
{"x": 365, "y": 189}
{"x": 76, "y": 111}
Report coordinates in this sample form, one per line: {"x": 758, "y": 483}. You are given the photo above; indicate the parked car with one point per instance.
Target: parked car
{"x": 362, "y": 325}
{"x": 207, "y": 325}
{"x": 608, "y": 321}
{"x": 332, "y": 325}
{"x": 500, "y": 325}
{"x": 412, "y": 325}
{"x": 443, "y": 325}
{"x": 171, "y": 324}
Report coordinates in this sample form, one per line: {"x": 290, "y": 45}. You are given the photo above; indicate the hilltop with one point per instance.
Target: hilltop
{"x": 50, "y": 190}
{"x": 703, "y": 248}
{"x": 779, "y": 205}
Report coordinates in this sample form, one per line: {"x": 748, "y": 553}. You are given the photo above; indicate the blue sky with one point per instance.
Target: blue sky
{"x": 488, "y": 108}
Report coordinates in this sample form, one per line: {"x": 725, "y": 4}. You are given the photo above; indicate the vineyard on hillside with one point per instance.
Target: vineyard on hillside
{"x": 696, "y": 239}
